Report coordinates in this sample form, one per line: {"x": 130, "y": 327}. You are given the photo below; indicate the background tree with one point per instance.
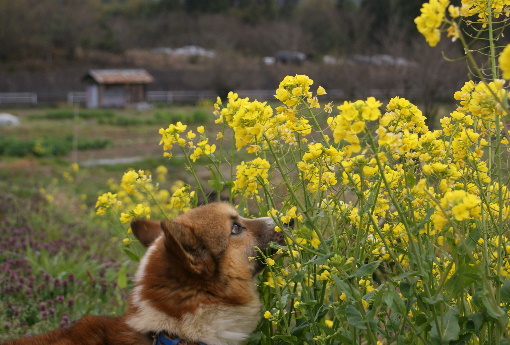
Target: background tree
{"x": 383, "y": 11}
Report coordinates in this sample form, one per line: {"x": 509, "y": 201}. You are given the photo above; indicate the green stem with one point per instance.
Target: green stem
{"x": 294, "y": 195}
{"x": 190, "y": 168}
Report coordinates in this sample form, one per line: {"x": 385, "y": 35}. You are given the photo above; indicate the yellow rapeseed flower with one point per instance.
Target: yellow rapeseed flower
{"x": 504, "y": 62}
{"x": 431, "y": 18}
{"x": 315, "y": 242}
{"x": 128, "y": 181}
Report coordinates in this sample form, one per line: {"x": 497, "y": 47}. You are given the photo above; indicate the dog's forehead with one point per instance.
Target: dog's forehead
{"x": 225, "y": 208}
{"x": 219, "y": 209}
{"x": 211, "y": 212}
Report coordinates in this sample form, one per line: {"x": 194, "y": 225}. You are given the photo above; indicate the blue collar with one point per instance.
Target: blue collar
{"x": 163, "y": 339}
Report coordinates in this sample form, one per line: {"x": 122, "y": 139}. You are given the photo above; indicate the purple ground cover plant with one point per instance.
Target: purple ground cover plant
{"x": 54, "y": 267}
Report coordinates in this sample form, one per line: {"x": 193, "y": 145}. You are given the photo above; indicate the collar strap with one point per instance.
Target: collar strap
{"x": 163, "y": 339}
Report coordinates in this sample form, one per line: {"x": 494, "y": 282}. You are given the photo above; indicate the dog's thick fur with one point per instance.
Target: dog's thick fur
{"x": 196, "y": 281}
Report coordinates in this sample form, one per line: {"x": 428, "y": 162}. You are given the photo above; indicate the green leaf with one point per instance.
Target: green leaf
{"x": 470, "y": 243}
{"x": 448, "y": 330}
{"x": 122, "y": 276}
{"x": 371, "y": 316}
{"x": 131, "y": 255}
{"x": 366, "y": 270}
{"x": 256, "y": 337}
{"x": 320, "y": 260}
{"x": 287, "y": 338}
{"x": 354, "y": 317}
{"x": 477, "y": 321}
{"x": 410, "y": 180}
{"x": 433, "y": 301}
{"x": 407, "y": 288}
{"x": 492, "y": 309}
{"x": 310, "y": 223}
{"x": 213, "y": 158}
{"x": 394, "y": 301}
{"x": 403, "y": 275}
{"x": 300, "y": 328}
{"x": 343, "y": 287}
{"x": 463, "y": 339}
{"x": 464, "y": 276}
{"x": 505, "y": 292}
{"x": 216, "y": 185}
{"x": 421, "y": 319}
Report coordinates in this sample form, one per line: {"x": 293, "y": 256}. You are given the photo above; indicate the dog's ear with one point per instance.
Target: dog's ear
{"x": 146, "y": 231}
{"x": 190, "y": 250}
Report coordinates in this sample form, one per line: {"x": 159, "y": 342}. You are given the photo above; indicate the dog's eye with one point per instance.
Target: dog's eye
{"x": 236, "y": 229}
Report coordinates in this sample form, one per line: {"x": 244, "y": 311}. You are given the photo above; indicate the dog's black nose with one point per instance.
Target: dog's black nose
{"x": 290, "y": 225}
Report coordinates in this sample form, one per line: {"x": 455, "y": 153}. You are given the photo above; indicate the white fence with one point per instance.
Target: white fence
{"x": 18, "y": 97}
{"x": 76, "y": 97}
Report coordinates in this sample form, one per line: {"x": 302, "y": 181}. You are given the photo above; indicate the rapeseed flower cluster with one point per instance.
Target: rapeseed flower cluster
{"x": 182, "y": 197}
{"x": 400, "y": 128}
{"x": 352, "y": 121}
{"x": 433, "y": 16}
{"x": 137, "y": 196}
{"x": 457, "y": 205}
{"x": 104, "y": 202}
{"x": 431, "y": 19}
{"x": 484, "y": 9}
{"x": 251, "y": 122}
{"x": 318, "y": 166}
{"x": 138, "y": 212}
{"x": 255, "y": 124}
{"x": 293, "y": 90}
{"x": 481, "y": 100}
{"x": 171, "y": 136}
{"x": 251, "y": 176}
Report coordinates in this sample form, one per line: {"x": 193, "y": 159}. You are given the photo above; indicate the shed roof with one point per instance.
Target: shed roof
{"x": 119, "y": 76}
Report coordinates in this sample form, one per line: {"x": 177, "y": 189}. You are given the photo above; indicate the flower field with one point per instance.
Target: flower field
{"x": 401, "y": 232}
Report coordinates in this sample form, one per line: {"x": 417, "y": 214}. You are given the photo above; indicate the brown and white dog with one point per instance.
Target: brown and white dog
{"x": 195, "y": 284}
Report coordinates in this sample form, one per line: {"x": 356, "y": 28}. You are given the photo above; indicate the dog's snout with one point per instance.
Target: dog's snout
{"x": 290, "y": 224}
{"x": 268, "y": 221}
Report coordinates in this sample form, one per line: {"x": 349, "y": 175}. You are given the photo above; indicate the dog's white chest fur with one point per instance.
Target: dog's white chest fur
{"x": 210, "y": 324}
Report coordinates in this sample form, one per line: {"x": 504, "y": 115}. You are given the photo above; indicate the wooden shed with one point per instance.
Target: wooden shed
{"x": 116, "y": 88}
